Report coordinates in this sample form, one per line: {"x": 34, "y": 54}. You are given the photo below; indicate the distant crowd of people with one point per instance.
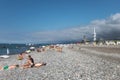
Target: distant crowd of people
{"x": 50, "y": 47}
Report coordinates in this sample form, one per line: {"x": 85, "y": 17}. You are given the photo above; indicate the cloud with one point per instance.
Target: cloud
{"x": 108, "y": 28}
{"x": 61, "y": 35}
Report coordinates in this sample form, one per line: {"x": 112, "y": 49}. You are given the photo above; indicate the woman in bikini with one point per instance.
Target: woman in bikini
{"x": 30, "y": 63}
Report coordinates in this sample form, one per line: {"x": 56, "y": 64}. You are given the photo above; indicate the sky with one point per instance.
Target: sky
{"x": 41, "y": 21}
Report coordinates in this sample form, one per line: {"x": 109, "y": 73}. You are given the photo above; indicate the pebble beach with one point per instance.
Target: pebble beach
{"x": 76, "y": 62}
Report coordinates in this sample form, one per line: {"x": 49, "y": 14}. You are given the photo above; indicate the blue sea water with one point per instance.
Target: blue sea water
{"x": 13, "y": 48}
{"x": 19, "y": 48}
{"x": 16, "y": 48}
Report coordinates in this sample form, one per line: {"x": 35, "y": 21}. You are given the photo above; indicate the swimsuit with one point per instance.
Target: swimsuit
{"x": 32, "y": 65}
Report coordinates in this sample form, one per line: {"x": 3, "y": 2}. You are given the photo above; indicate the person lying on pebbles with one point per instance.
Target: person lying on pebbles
{"x": 29, "y": 64}
{"x": 17, "y": 66}
{"x": 9, "y": 67}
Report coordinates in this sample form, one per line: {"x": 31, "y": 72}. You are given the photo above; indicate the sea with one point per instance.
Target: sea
{"x": 15, "y": 48}
{"x": 19, "y": 48}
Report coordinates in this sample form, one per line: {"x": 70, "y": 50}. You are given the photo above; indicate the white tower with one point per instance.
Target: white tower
{"x": 8, "y": 51}
{"x": 94, "y": 35}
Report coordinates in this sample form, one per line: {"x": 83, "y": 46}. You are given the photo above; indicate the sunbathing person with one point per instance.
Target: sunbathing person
{"x": 20, "y": 56}
{"x": 39, "y": 64}
{"x": 1, "y": 68}
{"x": 13, "y": 66}
{"x": 9, "y": 67}
{"x": 35, "y": 65}
{"x": 30, "y": 63}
